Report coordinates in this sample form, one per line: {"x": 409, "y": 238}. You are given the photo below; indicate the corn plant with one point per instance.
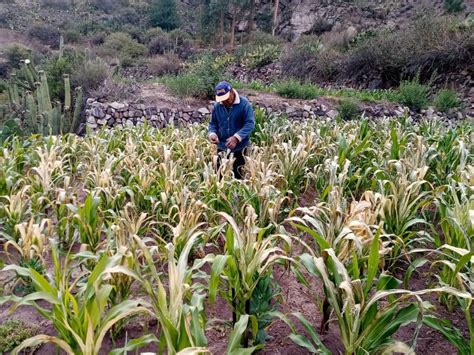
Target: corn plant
{"x": 368, "y": 310}
{"x": 293, "y": 161}
{"x": 64, "y": 226}
{"x": 79, "y": 308}
{"x": 447, "y": 158}
{"x": 88, "y": 219}
{"x": 182, "y": 324}
{"x": 14, "y": 209}
{"x": 31, "y": 247}
{"x": 402, "y": 200}
{"x": 248, "y": 259}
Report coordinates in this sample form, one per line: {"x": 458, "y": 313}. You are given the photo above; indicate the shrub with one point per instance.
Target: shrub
{"x": 161, "y": 45}
{"x": 15, "y": 53}
{"x": 446, "y": 100}
{"x": 453, "y": 6}
{"x": 4, "y": 68}
{"x": 13, "y": 332}
{"x": 429, "y": 45}
{"x": 262, "y": 56}
{"x": 108, "y": 6}
{"x": 98, "y": 38}
{"x": 348, "y": 109}
{"x": 164, "y": 64}
{"x": 295, "y": 90}
{"x": 55, "y": 68}
{"x": 91, "y": 74}
{"x": 87, "y": 27}
{"x": 414, "y": 94}
{"x": 124, "y": 46}
{"x": 204, "y": 72}
{"x": 308, "y": 59}
{"x": 163, "y": 14}
{"x": 72, "y": 36}
{"x": 47, "y": 34}
{"x": 57, "y": 4}
{"x": 184, "y": 85}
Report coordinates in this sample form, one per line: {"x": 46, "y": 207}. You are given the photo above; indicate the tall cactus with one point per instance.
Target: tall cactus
{"x": 40, "y": 115}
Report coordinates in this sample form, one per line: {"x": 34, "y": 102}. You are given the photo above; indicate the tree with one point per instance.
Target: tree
{"x": 275, "y": 16}
{"x": 163, "y": 13}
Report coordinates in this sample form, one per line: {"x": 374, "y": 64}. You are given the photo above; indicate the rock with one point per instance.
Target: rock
{"x": 307, "y": 108}
{"x": 98, "y": 112}
{"x": 375, "y": 84}
{"x": 204, "y": 111}
{"x": 91, "y": 120}
{"x": 92, "y": 125}
{"x": 290, "y": 110}
{"x": 332, "y": 114}
{"x": 90, "y": 101}
{"x": 129, "y": 123}
{"x": 429, "y": 113}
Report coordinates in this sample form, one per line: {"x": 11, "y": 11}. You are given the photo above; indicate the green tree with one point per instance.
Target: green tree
{"x": 163, "y": 13}
{"x": 453, "y": 6}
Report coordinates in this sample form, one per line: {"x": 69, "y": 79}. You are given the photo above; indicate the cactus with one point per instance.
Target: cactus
{"x": 61, "y": 46}
{"x": 40, "y": 115}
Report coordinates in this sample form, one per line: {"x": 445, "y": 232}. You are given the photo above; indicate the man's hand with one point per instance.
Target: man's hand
{"x": 213, "y": 138}
{"x": 232, "y": 142}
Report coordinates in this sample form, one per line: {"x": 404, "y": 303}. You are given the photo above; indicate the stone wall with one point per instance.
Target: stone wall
{"x": 116, "y": 114}
{"x": 120, "y": 114}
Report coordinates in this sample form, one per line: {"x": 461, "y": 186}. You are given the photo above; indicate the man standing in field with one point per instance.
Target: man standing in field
{"x": 231, "y": 123}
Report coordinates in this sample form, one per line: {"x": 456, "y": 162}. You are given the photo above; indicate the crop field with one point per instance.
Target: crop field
{"x": 349, "y": 237}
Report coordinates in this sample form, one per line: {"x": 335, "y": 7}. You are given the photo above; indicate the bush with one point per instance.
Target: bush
{"x": 160, "y": 45}
{"x": 13, "y": 332}
{"x": 55, "y": 68}
{"x": 98, "y": 38}
{"x": 108, "y": 6}
{"x": 163, "y": 14}
{"x": 446, "y": 100}
{"x": 91, "y": 74}
{"x": 413, "y": 94}
{"x": 4, "y": 68}
{"x": 202, "y": 75}
{"x": 164, "y": 64}
{"x": 262, "y": 56}
{"x": 308, "y": 59}
{"x": 295, "y": 90}
{"x": 430, "y": 45}
{"x": 57, "y": 4}
{"x": 453, "y": 6}
{"x": 47, "y": 34}
{"x": 72, "y": 36}
{"x": 15, "y": 53}
{"x": 348, "y": 109}
{"x": 185, "y": 85}
{"x": 124, "y": 46}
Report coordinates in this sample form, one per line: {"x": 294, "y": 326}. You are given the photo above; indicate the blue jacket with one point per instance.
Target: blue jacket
{"x": 238, "y": 121}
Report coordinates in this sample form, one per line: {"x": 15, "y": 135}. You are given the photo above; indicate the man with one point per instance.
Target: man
{"x": 232, "y": 121}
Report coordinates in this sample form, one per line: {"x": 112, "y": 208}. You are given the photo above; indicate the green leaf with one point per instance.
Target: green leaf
{"x": 135, "y": 344}
{"x": 373, "y": 264}
{"x": 218, "y": 265}
{"x": 450, "y": 333}
{"x": 235, "y": 338}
